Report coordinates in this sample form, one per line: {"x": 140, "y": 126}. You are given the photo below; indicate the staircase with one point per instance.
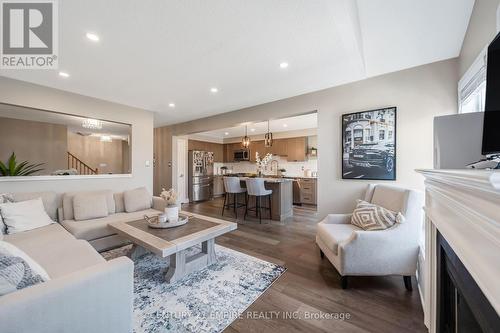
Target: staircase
{"x": 80, "y": 166}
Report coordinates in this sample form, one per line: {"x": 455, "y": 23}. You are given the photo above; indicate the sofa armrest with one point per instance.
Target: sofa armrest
{"x": 337, "y": 219}
{"x": 159, "y": 204}
{"x": 96, "y": 299}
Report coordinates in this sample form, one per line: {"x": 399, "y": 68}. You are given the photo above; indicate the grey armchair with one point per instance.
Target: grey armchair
{"x": 394, "y": 251}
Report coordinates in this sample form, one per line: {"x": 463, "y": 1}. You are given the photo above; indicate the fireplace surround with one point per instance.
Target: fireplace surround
{"x": 461, "y": 305}
{"x": 459, "y": 283}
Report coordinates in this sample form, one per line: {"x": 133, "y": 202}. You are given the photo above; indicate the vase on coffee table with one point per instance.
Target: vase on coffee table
{"x": 172, "y": 212}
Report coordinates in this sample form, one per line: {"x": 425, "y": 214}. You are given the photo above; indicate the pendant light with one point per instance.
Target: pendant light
{"x": 268, "y": 138}
{"x": 245, "y": 141}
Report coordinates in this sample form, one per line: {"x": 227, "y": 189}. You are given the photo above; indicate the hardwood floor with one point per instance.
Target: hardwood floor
{"x": 311, "y": 285}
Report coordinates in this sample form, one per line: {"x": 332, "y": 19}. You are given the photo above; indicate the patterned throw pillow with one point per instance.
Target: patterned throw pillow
{"x": 18, "y": 270}
{"x": 368, "y": 216}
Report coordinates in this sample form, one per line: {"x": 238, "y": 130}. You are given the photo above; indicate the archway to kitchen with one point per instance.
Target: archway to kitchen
{"x": 293, "y": 157}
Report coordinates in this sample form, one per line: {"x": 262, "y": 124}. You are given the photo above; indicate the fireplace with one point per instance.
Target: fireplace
{"x": 461, "y": 305}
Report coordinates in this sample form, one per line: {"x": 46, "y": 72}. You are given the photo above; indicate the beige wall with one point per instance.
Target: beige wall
{"x": 419, "y": 93}
{"x": 35, "y": 142}
{"x": 480, "y": 32}
{"x": 95, "y": 153}
{"x": 35, "y": 96}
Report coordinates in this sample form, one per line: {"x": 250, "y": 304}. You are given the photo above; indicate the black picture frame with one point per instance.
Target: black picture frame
{"x": 368, "y": 144}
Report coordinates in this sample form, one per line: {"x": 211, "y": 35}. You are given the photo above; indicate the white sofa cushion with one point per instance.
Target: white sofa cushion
{"x": 137, "y": 199}
{"x": 98, "y": 228}
{"x": 49, "y": 199}
{"x": 88, "y": 206}
{"x": 24, "y": 215}
{"x": 368, "y": 216}
{"x": 56, "y": 250}
{"x": 334, "y": 234}
{"x": 18, "y": 270}
{"x": 67, "y": 202}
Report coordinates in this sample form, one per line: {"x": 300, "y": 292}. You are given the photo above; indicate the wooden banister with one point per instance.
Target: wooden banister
{"x": 80, "y": 166}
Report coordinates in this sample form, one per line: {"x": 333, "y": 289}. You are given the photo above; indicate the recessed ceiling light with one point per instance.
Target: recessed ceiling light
{"x": 92, "y": 37}
{"x": 285, "y": 125}
{"x": 172, "y": 105}
{"x": 284, "y": 65}
{"x": 252, "y": 129}
{"x": 214, "y": 90}
{"x": 226, "y": 133}
{"x": 63, "y": 74}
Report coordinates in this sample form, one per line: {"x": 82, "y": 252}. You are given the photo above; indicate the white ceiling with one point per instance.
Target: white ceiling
{"x": 152, "y": 53}
{"x": 296, "y": 123}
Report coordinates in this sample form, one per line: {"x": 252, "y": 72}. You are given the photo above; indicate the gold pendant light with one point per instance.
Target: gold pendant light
{"x": 245, "y": 141}
{"x": 268, "y": 138}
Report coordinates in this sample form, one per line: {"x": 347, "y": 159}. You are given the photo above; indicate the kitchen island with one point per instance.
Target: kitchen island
{"x": 281, "y": 199}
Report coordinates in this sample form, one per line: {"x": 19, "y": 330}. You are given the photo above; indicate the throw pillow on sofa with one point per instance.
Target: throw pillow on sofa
{"x": 24, "y": 215}
{"x": 88, "y": 206}
{"x": 369, "y": 216}
{"x": 137, "y": 199}
{"x": 67, "y": 202}
{"x": 18, "y": 270}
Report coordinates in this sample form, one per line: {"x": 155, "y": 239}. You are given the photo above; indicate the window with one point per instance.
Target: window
{"x": 472, "y": 86}
{"x": 381, "y": 135}
{"x": 389, "y": 135}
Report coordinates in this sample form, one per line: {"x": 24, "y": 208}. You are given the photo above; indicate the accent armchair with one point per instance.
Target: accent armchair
{"x": 394, "y": 251}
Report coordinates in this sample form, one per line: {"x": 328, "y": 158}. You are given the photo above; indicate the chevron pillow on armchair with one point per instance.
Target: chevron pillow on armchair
{"x": 371, "y": 217}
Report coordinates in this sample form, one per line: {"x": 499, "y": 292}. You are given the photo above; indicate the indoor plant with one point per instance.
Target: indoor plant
{"x": 12, "y": 168}
{"x": 172, "y": 208}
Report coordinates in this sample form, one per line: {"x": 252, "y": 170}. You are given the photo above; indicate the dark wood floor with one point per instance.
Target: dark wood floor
{"x": 311, "y": 285}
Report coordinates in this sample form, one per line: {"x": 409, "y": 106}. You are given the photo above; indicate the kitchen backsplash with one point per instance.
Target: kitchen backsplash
{"x": 293, "y": 169}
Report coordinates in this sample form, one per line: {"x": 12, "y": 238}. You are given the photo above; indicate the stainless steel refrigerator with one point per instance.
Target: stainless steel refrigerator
{"x": 201, "y": 175}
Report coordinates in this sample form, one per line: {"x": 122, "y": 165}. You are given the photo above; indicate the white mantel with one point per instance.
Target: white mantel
{"x": 464, "y": 205}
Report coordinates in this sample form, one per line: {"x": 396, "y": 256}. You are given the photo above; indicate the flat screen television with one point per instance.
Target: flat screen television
{"x": 491, "y": 126}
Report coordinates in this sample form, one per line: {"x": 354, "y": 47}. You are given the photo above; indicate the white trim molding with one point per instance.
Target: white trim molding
{"x": 464, "y": 206}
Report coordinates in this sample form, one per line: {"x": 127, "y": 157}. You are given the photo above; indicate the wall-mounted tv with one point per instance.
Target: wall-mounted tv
{"x": 491, "y": 127}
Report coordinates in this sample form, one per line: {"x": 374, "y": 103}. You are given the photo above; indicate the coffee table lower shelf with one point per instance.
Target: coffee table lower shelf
{"x": 180, "y": 263}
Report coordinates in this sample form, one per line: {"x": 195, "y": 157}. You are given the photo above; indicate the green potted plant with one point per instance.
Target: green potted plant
{"x": 12, "y": 168}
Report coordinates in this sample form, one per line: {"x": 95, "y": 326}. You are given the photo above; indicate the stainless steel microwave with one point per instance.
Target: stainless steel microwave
{"x": 241, "y": 155}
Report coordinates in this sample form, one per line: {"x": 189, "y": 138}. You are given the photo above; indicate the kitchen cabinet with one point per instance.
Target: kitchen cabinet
{"x": 216, "y": 148}
{"x": 308, "y": 191}
{"x": 296, "y": 149}
{"x": 280, "y": 147}
{"x": 293, "y": 149}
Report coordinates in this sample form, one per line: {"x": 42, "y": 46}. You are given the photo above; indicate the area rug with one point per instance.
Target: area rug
{"x": 204, "y": 301}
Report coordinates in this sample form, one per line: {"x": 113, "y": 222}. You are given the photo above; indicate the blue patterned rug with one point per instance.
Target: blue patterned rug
{"x": 204, "y": 301}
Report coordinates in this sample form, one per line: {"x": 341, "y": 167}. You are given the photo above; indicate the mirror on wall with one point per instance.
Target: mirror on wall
{"x": 37, "y": 142}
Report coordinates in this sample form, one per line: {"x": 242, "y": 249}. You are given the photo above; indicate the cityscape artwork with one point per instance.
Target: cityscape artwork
{"x": 369, "y": 145}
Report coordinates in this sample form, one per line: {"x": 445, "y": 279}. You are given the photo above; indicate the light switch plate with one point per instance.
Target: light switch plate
{"x": 148, "y": 163}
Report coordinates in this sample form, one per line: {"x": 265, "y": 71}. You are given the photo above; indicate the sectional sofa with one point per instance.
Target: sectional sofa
{"x": 85, "y": 292}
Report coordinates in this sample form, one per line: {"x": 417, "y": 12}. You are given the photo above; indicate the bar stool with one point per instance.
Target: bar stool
{"x": 256, "y": 188}
{"x": 232, "y": 186}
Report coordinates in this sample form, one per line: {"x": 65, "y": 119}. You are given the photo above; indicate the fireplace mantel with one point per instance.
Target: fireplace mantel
{"x": 464, "y": 205}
